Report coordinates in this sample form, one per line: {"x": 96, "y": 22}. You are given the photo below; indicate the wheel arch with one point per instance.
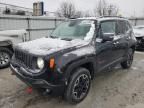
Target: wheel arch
{"x": 88, "y": 64}
{"x": 7, "y": 44}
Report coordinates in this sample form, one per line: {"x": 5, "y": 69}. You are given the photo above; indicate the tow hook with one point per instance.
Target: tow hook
{"x": 29, "y": 90}
{"x": 46, "y": 92}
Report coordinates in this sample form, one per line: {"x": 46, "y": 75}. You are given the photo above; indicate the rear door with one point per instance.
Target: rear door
{"x": 121, "y": 39}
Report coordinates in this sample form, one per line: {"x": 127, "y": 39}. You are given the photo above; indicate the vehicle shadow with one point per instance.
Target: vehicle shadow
{"x": 141, "y": 50}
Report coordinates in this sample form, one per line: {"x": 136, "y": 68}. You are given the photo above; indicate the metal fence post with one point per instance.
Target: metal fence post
{"x": 135, "y": 21}
{"x": 55, "y": 22}
{"x": 28, "y": 29}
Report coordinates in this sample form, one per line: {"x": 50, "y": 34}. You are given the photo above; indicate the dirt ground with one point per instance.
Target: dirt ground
{"x": 117, "y": 89}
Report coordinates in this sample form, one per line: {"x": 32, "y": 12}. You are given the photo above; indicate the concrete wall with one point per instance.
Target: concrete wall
{"x": 36, "y": 26}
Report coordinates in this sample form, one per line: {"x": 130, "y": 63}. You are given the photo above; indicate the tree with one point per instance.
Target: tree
{"x": 87, "y": 13}
{"x": 100, "y": 9}
{"x": 112, "y": 10}
{"x": 78, "y": 14}
{"x": 7, "y": 11}
{"x": 68, "y": 10}
{"x": 103, "y": 8}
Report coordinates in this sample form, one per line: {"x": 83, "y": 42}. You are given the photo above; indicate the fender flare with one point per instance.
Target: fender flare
{"x": 77, "y": 63}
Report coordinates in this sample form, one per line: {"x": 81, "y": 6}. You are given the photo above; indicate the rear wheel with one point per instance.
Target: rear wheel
{"x": 5, "y": 56}
{"x": 128, "y": 62}
{"x": 79, "y": 86}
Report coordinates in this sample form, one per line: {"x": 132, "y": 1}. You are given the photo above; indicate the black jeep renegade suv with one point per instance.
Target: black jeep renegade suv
{"x": 65, "y": 62}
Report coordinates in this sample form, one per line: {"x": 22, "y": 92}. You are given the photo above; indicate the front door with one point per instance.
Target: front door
{"x": 105, "y": 50}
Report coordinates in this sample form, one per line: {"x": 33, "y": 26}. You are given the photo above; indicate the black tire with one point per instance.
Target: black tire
{"x": 128, "y": 62}
{"x": 5, "y": 56}
{"x": 79, "y": 84}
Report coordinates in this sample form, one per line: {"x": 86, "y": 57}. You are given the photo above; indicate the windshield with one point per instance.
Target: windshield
{"x": 75, "y": 29}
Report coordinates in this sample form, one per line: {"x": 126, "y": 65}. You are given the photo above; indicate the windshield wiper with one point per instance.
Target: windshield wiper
{"x": 67, "y": 39}
{"x": 53, "y": 37}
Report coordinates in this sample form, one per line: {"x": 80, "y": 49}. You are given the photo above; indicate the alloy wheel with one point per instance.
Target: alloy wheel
{"x": 4, "y": 58}
{"x": 81, "y": 86}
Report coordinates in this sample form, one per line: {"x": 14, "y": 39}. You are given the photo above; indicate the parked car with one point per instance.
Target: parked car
{"x": 8, "y": 38}
{"x": 139, "y": 34}
{"x": 64, "y": 63}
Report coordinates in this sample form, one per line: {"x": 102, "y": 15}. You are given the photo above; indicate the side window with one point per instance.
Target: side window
{"x": 108, "y": 27}
{"x": 122, "y": 27}
{"x": 129, "y": 25}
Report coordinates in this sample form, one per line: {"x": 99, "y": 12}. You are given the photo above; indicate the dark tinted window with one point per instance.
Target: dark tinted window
{"x": 108, "y": 27}
{"x": 122, "y": 27}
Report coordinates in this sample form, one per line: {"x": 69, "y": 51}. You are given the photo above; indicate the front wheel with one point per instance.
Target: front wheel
{"x": 128, "y": 62}
{"x": 79, "y": 86}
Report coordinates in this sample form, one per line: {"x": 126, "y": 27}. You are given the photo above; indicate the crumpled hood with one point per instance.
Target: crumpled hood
{"x": 138, "y": 33}
{"x": 45, "y": 46}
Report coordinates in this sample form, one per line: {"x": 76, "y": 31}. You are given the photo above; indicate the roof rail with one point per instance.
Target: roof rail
{"x": 111, "y": 16}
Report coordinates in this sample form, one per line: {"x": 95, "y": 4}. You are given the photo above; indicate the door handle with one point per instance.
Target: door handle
{"x": 115, "y": 44}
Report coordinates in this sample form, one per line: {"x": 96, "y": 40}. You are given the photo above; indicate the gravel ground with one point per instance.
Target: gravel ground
{"x": 116, "y": 89}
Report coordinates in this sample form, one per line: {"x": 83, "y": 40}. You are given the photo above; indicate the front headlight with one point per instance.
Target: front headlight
{"x": 40, "y": 63}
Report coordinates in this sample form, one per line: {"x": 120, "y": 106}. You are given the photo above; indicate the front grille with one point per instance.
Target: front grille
{"x": 23, "y": 58}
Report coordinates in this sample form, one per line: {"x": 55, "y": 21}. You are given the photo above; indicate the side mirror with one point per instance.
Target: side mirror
{"x": 108, "y": 37}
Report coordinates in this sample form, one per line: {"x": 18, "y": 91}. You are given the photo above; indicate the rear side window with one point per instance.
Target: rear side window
{"x": 122, "y": 27}
{"x": 108, "y": 27}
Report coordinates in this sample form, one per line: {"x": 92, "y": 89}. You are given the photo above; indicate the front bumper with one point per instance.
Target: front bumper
{"x": 38, "y": 83}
